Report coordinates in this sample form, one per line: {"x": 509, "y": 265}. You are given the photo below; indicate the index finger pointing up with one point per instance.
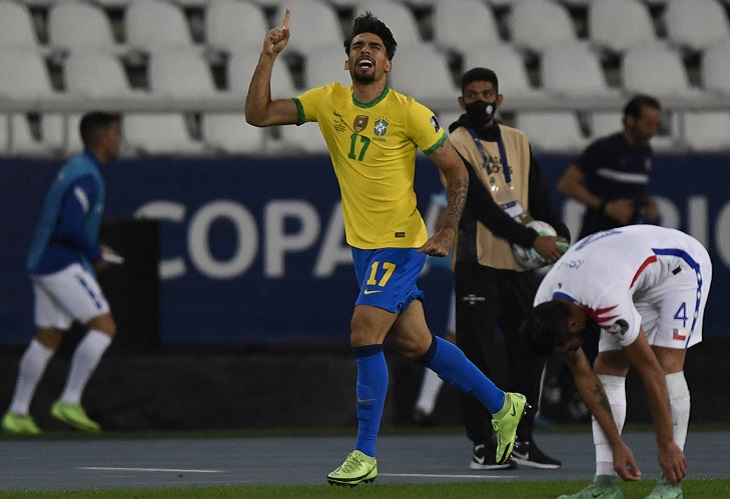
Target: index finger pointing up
{"x": 285, "y": 24}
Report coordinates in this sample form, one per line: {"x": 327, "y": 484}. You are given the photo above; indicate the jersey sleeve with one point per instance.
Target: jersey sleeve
{"x": 308, "y": 104}
{"x": 426, "y": 131}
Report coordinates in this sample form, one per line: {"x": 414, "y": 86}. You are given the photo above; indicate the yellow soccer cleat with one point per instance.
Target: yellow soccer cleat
{"x": 505, "y": 424}
{"x": 357, "y": 468}
{"x": 20, "y": 424}
{"x": 74, "y": 415}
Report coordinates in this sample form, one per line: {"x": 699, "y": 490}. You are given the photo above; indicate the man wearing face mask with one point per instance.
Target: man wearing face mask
{"x": 492, "y": 288}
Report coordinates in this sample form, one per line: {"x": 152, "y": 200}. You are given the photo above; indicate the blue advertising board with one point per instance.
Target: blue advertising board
{"x": 252, "y": 250}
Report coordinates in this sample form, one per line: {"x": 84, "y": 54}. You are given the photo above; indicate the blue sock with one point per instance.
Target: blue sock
{"x": 452, "y": 366}
{"x": 372, "y": 386}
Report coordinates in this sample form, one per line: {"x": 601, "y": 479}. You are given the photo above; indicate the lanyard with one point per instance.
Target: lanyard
{"x": 502, "y": 154}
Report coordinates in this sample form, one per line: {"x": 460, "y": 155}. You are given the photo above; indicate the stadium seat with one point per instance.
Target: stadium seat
{"x": 155, "y": 24}
{"x": 91, "y": 73}
{"x": 174, "y": 74}
{"x": 696, "y": 24}
{"x": 707, "y": 131}
{"x": 538, "y": 24}
{"x": 180, "y": 73}
{"x": 165, "y": 134}
{"x": 616, "y": 25}
{"x": 240, "y": 69}
{"x": 16, "y": 26}
{"x": 233, "y": 25}
{"x": 716, "y": 68}
{"x": 228, "y": 133}
{"x": 605, "y": 123}
{"x": 421, "y": 71}
{"x": 552, "y": 131}
{"x": 398, "y": 17}
{"x": 23, "y": 141}
{"x": 574, "y": 70}
{"x": 505, "y": 60}
{"x": 655, "y": 70}
{"x": 313, "y": 24}
{"x": 325, "y": 65}
{"x": 74, "y": 25}
{"x": 458, "y": 24}
{"x": 23, "y": 74}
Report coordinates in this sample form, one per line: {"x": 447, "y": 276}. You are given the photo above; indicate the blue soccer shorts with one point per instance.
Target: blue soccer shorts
{"x": 388, "y": 277}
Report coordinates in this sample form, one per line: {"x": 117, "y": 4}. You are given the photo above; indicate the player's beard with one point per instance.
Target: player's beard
{"x": 363, "y": 78}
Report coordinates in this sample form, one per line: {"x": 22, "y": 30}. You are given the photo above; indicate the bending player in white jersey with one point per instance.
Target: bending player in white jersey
{"x": 646, "y": 288}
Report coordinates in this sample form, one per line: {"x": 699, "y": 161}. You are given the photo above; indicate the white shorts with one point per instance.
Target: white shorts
{"x": 70, "y": 294}
{"x": 672, "y": 313}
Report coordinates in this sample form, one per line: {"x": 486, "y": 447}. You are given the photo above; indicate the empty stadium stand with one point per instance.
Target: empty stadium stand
{"x": 571, "y": 60}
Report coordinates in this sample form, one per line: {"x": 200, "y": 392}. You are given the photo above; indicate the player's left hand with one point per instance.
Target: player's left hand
{"x": 548, "y": 248}
{"x": 440, "y": 243}
{"x": 673, "y": 462}
{"x": 624, "y": 463}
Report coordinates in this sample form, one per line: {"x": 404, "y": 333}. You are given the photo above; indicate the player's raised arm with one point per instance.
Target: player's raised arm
{"x": 260, "y": 109}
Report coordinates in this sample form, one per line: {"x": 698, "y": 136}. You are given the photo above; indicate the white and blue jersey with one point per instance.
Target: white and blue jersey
{"x": 68, "y": 229}
{"x": 632, "y": 277}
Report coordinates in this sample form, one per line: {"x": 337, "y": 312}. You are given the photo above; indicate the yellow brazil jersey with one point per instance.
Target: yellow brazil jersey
{"x": 373, "y": 150}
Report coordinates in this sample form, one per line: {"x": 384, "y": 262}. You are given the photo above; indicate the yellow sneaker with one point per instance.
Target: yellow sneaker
{"x": 20, "y": 424}
{"x": 505, "y": 424}
{"x": 357, "y": 468}
{"x": 74, "y": 415}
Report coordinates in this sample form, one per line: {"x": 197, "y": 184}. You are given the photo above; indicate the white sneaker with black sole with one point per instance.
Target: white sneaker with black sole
{"x": 483, "y": 458}
{"x": 528, "y": 454}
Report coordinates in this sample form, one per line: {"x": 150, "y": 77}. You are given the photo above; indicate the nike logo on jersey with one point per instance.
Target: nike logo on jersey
{"x": 372, "y": 291}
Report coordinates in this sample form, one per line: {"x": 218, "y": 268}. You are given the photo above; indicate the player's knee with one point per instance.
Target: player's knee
{"x": 103, "y": 323}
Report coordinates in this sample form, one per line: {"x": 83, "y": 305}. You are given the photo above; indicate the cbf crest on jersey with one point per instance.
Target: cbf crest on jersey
{"x": 361, "y": 121}
{"x": 380, "y": 127}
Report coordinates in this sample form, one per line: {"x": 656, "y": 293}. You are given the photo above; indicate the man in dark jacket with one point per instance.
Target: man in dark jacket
{"x": 506, "y": 193}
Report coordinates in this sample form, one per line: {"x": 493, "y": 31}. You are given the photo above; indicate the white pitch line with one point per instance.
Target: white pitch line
{"x": 103, "y": 468}
{"x": 427, "y": 475}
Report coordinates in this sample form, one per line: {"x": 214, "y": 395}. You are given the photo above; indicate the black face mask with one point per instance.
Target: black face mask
{"x": 481, "y": 112}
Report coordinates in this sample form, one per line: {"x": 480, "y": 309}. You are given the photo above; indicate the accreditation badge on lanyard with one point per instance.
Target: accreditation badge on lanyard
{"x": 500, "y": 186}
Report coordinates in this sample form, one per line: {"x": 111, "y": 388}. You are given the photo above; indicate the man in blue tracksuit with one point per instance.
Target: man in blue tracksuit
{"x": 64, "y": 254}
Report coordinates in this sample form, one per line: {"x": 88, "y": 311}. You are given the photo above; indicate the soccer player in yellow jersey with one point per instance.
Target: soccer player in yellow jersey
{"x": 373, "y": 133}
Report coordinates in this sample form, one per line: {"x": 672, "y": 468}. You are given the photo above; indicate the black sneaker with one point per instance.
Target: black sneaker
{"x": 483, "y": 458}
{"x": 528, "y": 454}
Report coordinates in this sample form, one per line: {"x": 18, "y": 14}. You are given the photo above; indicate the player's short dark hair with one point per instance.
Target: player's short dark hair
{"x": 637, "y": 103}
{"x": 479, "y": 74}
{"x": 368, "y": 23}
{"x": 546, "y": 327}
{"x": 94, "y": 122}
